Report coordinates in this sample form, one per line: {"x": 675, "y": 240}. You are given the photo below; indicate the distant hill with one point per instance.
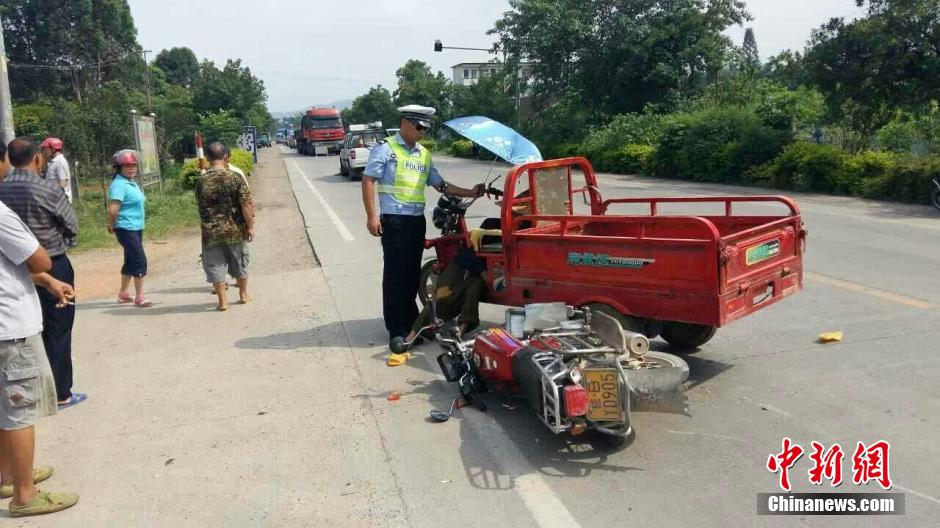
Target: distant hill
{"x": 342, "y": 105}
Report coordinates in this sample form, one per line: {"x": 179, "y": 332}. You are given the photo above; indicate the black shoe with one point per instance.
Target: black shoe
{"x": 397, "y": 345}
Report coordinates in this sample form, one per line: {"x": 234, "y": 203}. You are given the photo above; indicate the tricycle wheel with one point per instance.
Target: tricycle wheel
{"x": 426, "y": 282}
{"x": 687, "y": 337}
{"x": 628, "y": 322}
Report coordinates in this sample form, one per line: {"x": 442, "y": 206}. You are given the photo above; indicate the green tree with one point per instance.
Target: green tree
{"x": 489, "y": 97}
{"x": 618, "y": 55}
{"x": 180, "y": 66}
{"x": 221, "y": 126}
{"x": 374, "y": 105}
{"x": 176, "y": 121}
{"x": 871, "y": 66}
{"x": 418, "y": 85}
{"x": 234, "y": 89}
{"x": 787, "y": 67}
{"x": 82, "y": 44}
{"x": 751, "y": 63}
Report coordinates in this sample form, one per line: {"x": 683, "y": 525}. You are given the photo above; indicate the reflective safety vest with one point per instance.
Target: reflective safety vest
{"x": 411, "y": 173}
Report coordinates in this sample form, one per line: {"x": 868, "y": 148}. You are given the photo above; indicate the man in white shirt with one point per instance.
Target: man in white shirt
{"x": 57, "y": 166}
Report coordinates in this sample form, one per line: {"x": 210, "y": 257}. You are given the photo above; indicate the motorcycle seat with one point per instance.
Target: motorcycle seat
{"x": 483, "y": 241}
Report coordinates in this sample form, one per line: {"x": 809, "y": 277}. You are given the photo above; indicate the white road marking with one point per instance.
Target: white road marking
{"x": 548, "y": 511}
{"x": 868, "y": 290}
{"x": 921, "y": 495}
{"x": 340, "y": 226}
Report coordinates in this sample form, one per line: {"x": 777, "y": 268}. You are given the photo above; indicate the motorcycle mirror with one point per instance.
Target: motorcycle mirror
{"x": 439, "y": 416}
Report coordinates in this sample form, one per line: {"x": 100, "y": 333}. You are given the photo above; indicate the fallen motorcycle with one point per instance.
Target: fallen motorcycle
{"x": 576, "y": 369}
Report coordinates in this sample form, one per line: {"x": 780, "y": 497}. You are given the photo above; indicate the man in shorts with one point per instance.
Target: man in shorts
{"x": 227, "y": 221}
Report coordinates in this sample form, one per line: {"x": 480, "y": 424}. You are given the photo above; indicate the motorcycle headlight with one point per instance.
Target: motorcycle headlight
{"x": 576, "y": 374}
{"x": 439, "y": 217}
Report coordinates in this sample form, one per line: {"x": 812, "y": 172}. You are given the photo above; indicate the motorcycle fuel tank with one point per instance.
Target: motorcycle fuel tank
{"x": 492, "y": 354}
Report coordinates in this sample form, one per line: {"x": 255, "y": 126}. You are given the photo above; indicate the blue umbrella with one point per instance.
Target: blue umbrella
{"x": 496, "y": 138}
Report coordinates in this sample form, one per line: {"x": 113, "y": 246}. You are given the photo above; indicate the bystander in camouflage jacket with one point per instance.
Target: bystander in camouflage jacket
{"x": 220, "y": 195}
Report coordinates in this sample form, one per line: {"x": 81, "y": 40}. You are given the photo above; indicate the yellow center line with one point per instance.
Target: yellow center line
{"x": 868, "y": 290}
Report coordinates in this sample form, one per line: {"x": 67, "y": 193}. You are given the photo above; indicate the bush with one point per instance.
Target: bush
{"x": 715, "y": 145}
{"x": 190, "y": 173}
{"x": 805, "y": 167}
{"x": 562, "y": 150}
{"x": 190, "y": 170}
{"x": 634, "y": 158}
{"x": 462, "y": 148}
{"x": 430, "y": 144}
{"x": 864, "y": 167}
{"x": 243, "y": 160}
{"x": 908, "y": 181}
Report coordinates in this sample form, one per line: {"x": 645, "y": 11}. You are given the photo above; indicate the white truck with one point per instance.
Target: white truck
{"x": 358, "y": 142}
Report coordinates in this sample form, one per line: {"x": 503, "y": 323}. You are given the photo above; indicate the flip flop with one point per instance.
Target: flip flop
{"x": 395, "y": 360}
{"x": 75, "y": 399}
{"x": 123, "y": 299}
{"x": 246, "y": 300}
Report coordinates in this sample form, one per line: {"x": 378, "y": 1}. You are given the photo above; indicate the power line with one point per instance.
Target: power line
{"x": 25, "y": 65}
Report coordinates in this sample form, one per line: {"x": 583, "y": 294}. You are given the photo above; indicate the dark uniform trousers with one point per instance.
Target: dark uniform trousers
{"x": 57, "y": 328}
{"x": 402, "y": 247}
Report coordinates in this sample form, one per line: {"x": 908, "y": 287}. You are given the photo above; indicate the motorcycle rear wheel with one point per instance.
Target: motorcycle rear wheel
{"x": 935, "y": 198}
{"x": 426, "y": 282}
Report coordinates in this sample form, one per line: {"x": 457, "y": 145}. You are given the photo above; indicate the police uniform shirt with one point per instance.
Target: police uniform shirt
{"x": 381, "y": 167}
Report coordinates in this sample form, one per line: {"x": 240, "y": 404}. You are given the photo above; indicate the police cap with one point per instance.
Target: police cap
{"x": 417, "y": 114}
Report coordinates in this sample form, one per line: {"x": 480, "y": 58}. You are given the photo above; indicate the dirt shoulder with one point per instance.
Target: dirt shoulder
{"x": 97, "y": 272}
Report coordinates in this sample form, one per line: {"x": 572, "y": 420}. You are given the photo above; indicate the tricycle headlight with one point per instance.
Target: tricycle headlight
{"x": 576, "y": 374}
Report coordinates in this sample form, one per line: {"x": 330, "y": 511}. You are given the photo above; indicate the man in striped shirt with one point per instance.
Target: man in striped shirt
{"x": 45, "y": 209}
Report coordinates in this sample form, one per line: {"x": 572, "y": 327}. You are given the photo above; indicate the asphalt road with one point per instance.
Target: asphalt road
{"x": 700, "y": 460}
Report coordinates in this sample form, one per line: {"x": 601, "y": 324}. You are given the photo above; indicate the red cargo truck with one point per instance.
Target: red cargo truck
{"x": 658, "y": 271}
{"x": 321, "y": 132}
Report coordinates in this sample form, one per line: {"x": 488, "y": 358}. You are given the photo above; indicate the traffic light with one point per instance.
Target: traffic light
{"x": 438, "y": 46}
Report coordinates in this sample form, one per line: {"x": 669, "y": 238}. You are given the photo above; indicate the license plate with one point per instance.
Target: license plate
{"x": 603, "y": 388}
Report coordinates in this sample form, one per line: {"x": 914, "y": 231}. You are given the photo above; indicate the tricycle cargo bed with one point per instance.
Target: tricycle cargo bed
{"x": 706, "y": 270}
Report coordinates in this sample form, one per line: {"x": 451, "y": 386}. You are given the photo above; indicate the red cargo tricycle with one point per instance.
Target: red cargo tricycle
{"x": 680, "y": 277}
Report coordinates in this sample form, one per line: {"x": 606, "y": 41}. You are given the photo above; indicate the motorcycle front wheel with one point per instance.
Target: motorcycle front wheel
{"x": 426, "y": 281}
{"x": 935, "y": 198}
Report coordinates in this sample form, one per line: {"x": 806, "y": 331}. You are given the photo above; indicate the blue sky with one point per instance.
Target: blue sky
{"x": 311, "y": 51}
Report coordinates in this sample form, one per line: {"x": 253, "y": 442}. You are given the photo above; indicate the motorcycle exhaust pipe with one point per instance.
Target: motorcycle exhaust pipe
{"x": 637, "y": 344}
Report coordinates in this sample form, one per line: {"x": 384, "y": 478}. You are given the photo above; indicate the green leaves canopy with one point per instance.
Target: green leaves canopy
{"x": 618, "y": 55}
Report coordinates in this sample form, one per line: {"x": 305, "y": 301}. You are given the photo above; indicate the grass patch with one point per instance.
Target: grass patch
{"x": 167, "y": 215}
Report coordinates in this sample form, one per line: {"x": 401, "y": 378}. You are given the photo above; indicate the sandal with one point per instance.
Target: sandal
{"x": 142, "y": 302}
{"x": 124, "y": 298}
{"x": 74, "y": 399}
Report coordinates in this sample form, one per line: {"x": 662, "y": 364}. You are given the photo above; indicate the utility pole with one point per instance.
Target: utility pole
{"x": 7, "y": 133}
{"x": 147, "y": 67}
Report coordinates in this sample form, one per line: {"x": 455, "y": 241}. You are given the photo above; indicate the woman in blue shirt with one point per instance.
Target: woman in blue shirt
{"x": 126, "y": 220}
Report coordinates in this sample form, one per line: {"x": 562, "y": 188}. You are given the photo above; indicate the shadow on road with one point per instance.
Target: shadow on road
{"x": 158, "y": 309}
{"x": 360, "y": 333}
{"x": 555, "y": 456}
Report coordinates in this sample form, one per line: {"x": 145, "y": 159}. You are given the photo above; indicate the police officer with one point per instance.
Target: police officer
{"x": 399, "y": 168}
